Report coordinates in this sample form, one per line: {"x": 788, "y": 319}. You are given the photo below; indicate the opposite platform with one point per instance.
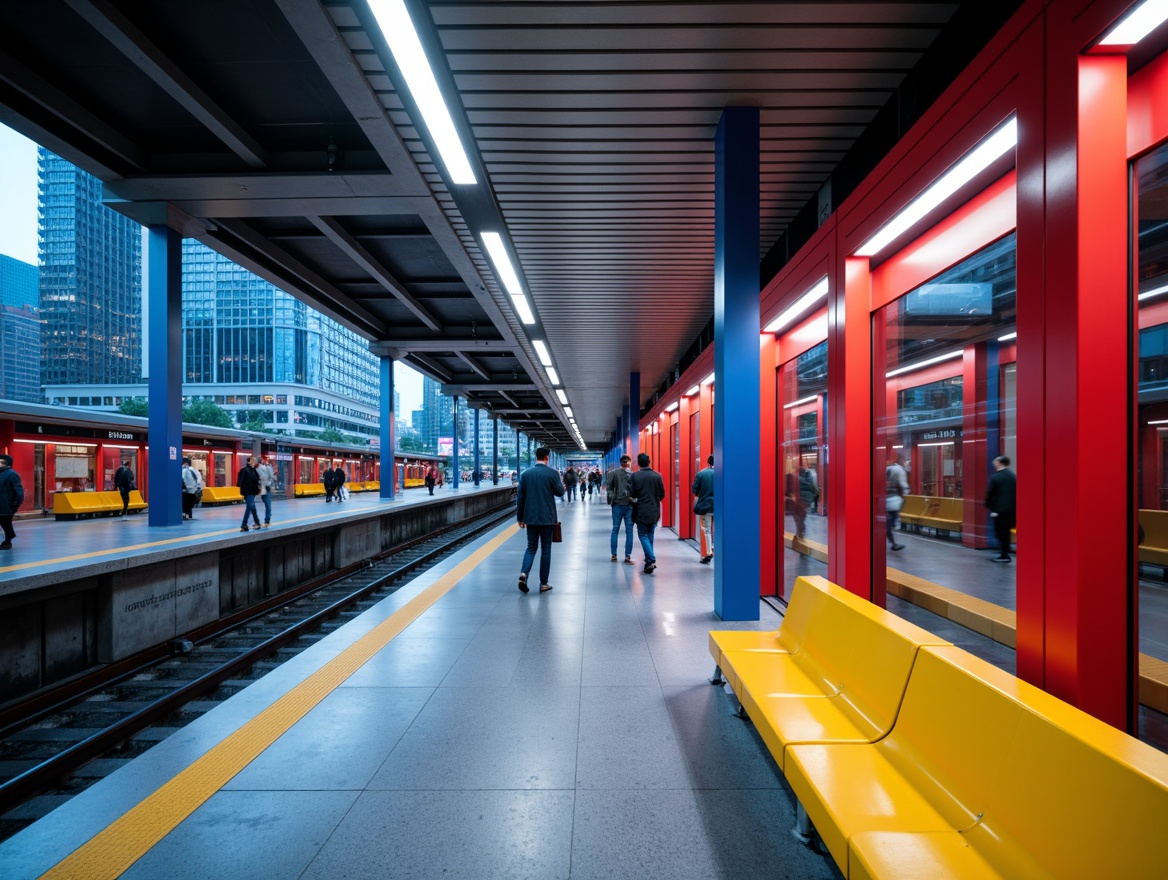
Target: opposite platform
{"x": 568, "y": 735}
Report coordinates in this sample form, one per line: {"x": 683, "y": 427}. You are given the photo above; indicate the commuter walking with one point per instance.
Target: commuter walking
{"x": 267, "y": 483}
{"x": 1002, "y": 500}
{"x": 192, "y": 489}
{"x": 648, "y": 491}
{"x": 431, "y": 479}
{"x": 793, "y": 504}
{"x": 248, "y": 482}
{"x": 896, "y": 488}
{"x": 339, "y": 489}
{"x": 11, "y": 497}
{"x": 703, "y": 487}
{"x": 594, "y": 483}
{"x": 328, "y": 478}
{"x": 809, "y": 488}
{"x": 570, "y": 484}
{"x": 535, "y": 510}
{"x": 617, "y": 484}
{"x": 124, "y": 483}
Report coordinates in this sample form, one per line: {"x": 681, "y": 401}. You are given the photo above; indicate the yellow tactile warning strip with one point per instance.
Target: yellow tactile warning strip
{"x": 113, "y": 850}
{"x": 185, "y": 539}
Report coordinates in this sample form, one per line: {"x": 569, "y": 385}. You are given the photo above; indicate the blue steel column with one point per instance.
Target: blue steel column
{"x": 736, "y": 363}
{"x": 388, "y": 463}
{"x": 518, "y": 452}
{"x": 635, "y": 418}
{"x": 624, "y": 434}
{"x": 164, "y": 425}
{"x": 477, "y": 458}
{"x": 495, "y": 452}
{"x": 455, "y": 433}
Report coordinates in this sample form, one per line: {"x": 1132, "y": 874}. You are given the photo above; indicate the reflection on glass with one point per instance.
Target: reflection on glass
{"x": 944, "y": 409}
{"x": 1151, "y": 292}
{"x": 802, "y": 414}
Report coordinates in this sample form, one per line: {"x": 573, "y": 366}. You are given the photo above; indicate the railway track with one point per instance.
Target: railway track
{"x": 57, "y": 743}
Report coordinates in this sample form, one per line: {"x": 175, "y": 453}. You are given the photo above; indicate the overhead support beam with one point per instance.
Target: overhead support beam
{"x": 380, "y": 188}
{"x": 438, "y": 344}
{"x": 156, "y": 64}
{"x": 430, "y": 366}
{"x": 69, "y": 111}
{"x": 464, "y": 388}
{"x": 298, "y": 276}
{"x": 475, "y": 368}
{"x": 352, "y": 248}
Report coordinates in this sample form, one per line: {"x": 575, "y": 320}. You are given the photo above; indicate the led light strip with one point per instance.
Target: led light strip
{"x": 812, "y": 296}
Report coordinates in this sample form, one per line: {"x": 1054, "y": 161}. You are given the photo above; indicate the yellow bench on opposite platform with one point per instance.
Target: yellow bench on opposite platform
{"x": 914, "y": 508}
{"x": 836, "y": 673}
{"x": 309, "y": 489}
{"x": 74, "y": 505}
{"x": 982, "y": 776}
{"x": 943, "y": 514}
{"x": 1154, "y": 546}
{"x": 221, "y": 495}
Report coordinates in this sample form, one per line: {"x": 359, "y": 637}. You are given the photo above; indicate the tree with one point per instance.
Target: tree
{"x": 332, "y": 435}
{"x": 411, "y": 443}
{"x": 204, "y": 412}
{"x": 254, "y": 423}
{"x": 135, "y": 406}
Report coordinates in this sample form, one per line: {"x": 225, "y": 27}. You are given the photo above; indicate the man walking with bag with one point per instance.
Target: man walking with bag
{"x": 248, "y": 482}
{"x": 617, "y": 485}
{"x": 535, "y": 509}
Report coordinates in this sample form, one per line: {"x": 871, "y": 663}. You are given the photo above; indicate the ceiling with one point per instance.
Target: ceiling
{"x": 279, "y": 133}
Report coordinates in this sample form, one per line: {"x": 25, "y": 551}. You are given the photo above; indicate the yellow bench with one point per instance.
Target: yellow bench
{"x": 221, "y": 495}
{"x": 1154, "y": 547}
{"x": 914, "y": 508}
{"x": 984, "y": 776}
{"x": 415, "y": 482}
{"x": 74, "y": 505}
{"x": 308, "y": 489}
{"x": 943, "y": 514}
{"x": 834, "y": 672}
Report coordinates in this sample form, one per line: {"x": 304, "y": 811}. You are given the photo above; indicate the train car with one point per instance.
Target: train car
{"x": 58, "y": 450}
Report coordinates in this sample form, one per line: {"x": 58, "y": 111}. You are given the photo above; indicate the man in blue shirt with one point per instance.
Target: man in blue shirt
{"x": 535, "y": 509}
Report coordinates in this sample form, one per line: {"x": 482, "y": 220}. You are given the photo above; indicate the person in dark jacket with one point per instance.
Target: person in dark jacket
{"x": 248, "y": 482}
{"x": 703, "y": 487}
{"x": 431, "y": 479}
{"x": 618, "y": 482}
{"x": 648, "y": 491}
{"x": 124, "y": 483}
{"x": 329, "y": 480}
{"x": 570, "y": 478}
{"x": 535, "y": 510}
{"x": 339, "y": 478}
{"x": 1002, "y": 501}
{"x": 11, "y": 497}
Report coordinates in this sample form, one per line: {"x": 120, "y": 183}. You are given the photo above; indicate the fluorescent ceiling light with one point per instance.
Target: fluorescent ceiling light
{"x": 562, "y": 395}
{"x": 1008, "y": 337}
{"x": 399, "y": 32}
{"x": 553, "y": 375}
{"x": 1158, "y": 422}
{"x": 709, "y": 380}
{"x": 942, "y": 443}
{"x": 545, "y": 357}
{"x": 814, "y": 295}
{"x": 1155, "y": 291}
{"x": 692, "y": 391}
{"x": 506, "y": 275}
{"x": 794, "y": 403}
{"x": 974, "y": 162}
{"x": 935, "y": 360}
{"x": 1142, "y": 20}
{"x": 568, "y": 411}
{"x": 672, "y": 406}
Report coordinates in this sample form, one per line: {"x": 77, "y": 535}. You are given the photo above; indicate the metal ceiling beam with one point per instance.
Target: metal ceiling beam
{"x": 352, "y": 248}
{"x": 151, "y": 60}
{"x": 496, "y": 388}
{"x": 430, "y": 366}
{"x": 438, "y": 344}
{"x": 299, "y": 186}
{"x": 56, "y": 103}
{"x": 470, "y": 362}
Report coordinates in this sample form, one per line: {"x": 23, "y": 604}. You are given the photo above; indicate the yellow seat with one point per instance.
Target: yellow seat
{"x": 984, "y": 775}
{"x": 71, "y": 505}
{"x": 221, "y": 495}
{"x": 913, "y": 509}
{"x": 1154, "y": 547}
{"x": 137, "y": 502}
{"x": 943, "y": 514}
{"x": 309, "y": 489}
{"x": 808, "y": 595}
{"x": 413, "y": 482}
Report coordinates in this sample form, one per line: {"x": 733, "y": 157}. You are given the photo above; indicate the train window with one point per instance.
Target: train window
{"x": 1151, "y": 343}
{"x": 943, "y": 411}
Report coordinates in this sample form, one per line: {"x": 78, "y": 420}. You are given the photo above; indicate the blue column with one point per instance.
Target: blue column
{"x": 736, "y": 363}
{"x": 518, "y": 455}
{"x": 477, "y": 457}
{"x": 624, "y": 432}
{"x": 495, "y": 452}
{"x": 388, "y": 463}
{"x": 635, "y": 418}
{"x": 164, "y": 326}
{"x": 455, "y": 433}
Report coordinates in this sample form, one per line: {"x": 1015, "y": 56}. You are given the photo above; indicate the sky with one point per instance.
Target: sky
{"x": 18, "y": 235}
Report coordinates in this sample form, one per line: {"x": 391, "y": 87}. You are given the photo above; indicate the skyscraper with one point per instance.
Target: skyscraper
{"x": 90, "y": 280}
{"x": 20, "y": 332}
{"x": 18, "y": 283}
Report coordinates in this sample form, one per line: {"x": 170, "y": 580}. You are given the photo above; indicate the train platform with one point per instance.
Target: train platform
{"x": 463, "y": 729}
{"x": 45, "y": 548}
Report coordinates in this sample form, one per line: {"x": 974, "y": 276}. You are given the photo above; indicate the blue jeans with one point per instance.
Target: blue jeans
{"x": 267, "y": 496}
{"x": 622, "y": 512}
{"x": 249, "y": 508}
{"x": 645, "y": 533}
{"x": 536, "y": 535}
